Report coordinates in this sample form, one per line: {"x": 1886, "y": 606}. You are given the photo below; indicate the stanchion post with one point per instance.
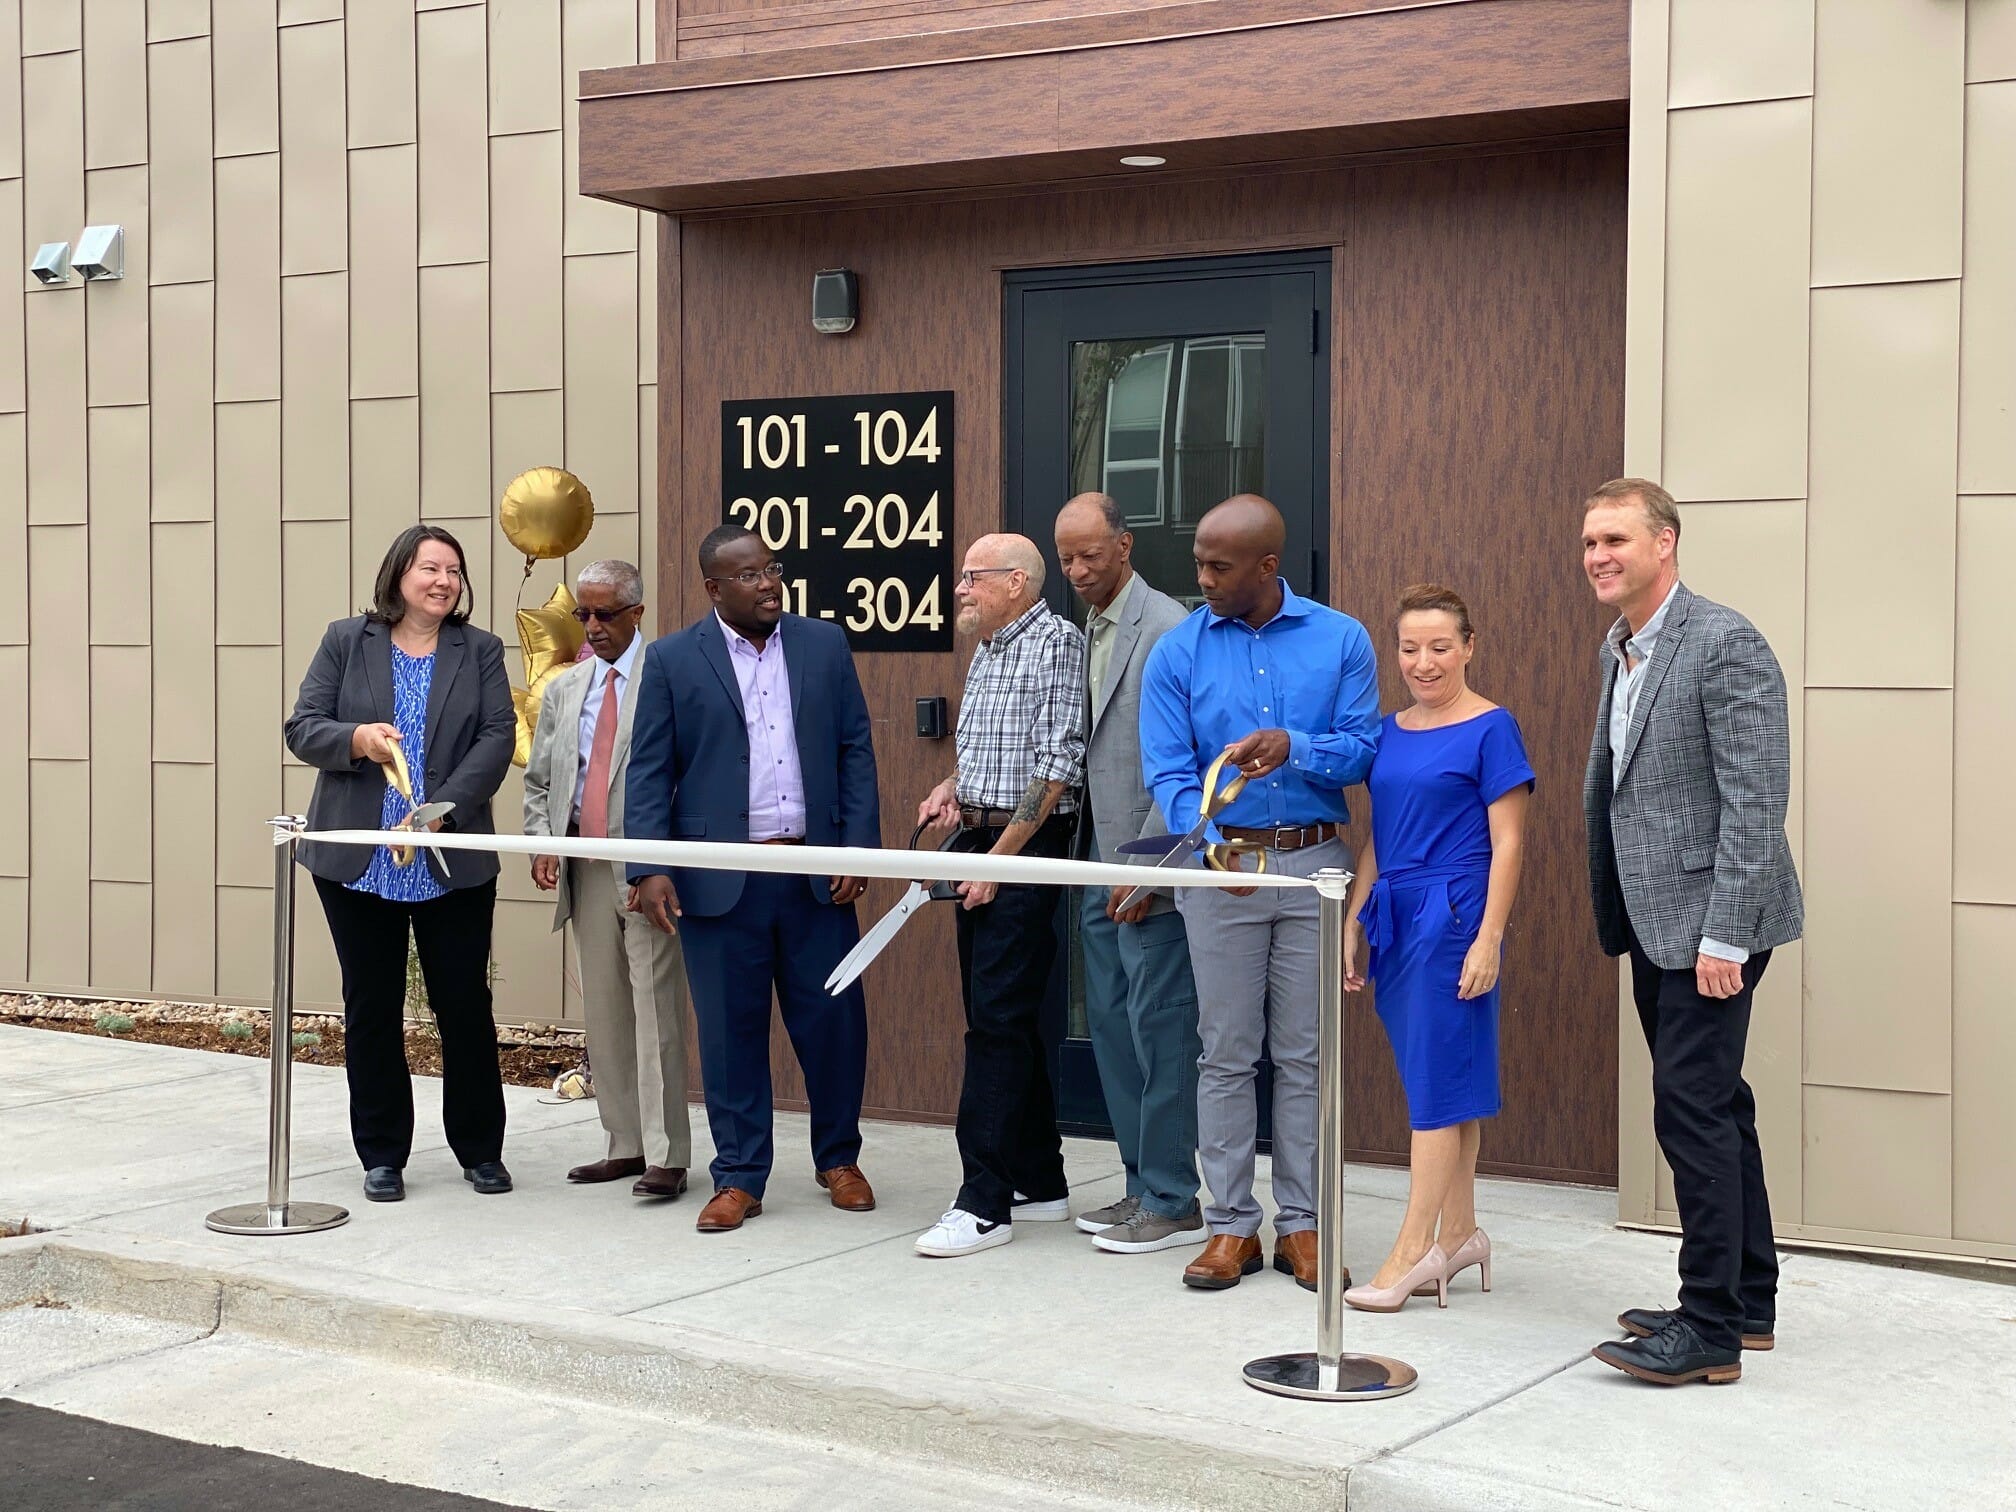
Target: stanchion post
{"x": 1328, "y": 1374}
{"x": 277, "y": 1215}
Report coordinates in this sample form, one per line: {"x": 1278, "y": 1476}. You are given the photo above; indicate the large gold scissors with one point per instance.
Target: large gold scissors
{"x": 400, "y": 780}
{"x": 1219, "y": 855}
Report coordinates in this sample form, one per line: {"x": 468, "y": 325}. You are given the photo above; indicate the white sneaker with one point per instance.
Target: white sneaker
{"x": 1028, "y": 1210}
{"x": 959, "y": 1232}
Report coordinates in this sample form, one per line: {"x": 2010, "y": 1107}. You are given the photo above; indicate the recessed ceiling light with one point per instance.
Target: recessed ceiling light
{"x": 1143, "y": 160}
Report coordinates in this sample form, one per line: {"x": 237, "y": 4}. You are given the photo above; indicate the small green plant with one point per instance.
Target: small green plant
{"x": 306, "y": 1037}
{"x": 235, "y": 1029}
{"x": 416, "y": 987}
{"x": 113, "y": 1023}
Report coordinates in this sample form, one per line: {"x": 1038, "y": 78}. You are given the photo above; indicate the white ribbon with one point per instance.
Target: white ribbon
{"x": 829, "y": 860}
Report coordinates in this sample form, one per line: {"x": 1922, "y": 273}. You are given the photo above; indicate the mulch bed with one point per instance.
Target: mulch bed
{"x": 530, "y": 1056}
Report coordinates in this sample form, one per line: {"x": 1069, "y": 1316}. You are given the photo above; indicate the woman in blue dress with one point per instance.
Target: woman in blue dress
{"x": 1427, "y": 920}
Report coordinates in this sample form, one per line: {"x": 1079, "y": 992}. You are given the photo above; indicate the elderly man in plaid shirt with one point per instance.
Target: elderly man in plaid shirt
{"x": 1021, "y": 749}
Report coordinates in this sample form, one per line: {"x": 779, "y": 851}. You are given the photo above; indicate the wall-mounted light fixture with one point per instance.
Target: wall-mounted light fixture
{"x": 1142, "y": 160}
{"x": 52, "y": 263}
{"x": 836, "y": 301}
{"x": 101, "y": 253}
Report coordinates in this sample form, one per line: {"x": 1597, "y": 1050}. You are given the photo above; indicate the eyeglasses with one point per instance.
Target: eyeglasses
{"x": 604, "y": 616}
{"x": 773, "y": 573}
{"x": 966, "y": 577}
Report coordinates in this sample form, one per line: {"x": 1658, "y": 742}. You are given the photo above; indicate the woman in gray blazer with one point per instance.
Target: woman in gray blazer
{"x": 413, "y": 673}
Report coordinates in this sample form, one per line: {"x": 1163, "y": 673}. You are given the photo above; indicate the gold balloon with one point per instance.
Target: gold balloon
{"x": 549, "y": 637}
{"x": 546, "y": 513}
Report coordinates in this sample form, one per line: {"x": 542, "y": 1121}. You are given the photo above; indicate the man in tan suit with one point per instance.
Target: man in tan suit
{"x": 574, "y": 786}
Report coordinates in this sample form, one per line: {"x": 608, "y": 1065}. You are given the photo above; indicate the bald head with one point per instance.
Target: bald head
{"x": 1094, "y": 547}
{"x": 1238, "y": 554}
{"x": 1003, "y": 577}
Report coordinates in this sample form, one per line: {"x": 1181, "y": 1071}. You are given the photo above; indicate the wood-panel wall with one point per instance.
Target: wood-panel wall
{"x": 1478, "y": 390}
{"x": 724, "y": 28}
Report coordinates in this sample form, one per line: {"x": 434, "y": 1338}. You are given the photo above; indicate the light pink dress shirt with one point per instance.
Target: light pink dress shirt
{"x": 776, "y": 781}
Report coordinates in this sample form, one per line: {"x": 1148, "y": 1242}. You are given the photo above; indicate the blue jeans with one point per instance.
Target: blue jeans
{"x": 1141, "y": 1011}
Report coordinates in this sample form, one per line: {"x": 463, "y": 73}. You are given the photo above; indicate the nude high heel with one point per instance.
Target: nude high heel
{"x": 1476, "y": 1250}
{"x": 1430, "y": 1272}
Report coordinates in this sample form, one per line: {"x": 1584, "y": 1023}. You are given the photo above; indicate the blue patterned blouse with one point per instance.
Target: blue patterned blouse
{"x": 412, "y": 676}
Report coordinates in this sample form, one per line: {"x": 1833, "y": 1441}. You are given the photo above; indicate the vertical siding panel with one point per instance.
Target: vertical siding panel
{"x": 179, "y": 148}
{"x": 185, "y": 633}
{"x": 455, "y": 392}
{"x": 56, "y": 407}
{"x": 245, "y": 52}
{"x": 185, "y": 460}
{"x": 185, "y": 870}
{"x": 313, "y": 197}
{"x": 248, "y": 524}
{"x": 115, "y": 83}
{"x": 454, "y": 150}
{"x": 121, "y": 823}
{"x": 384, "y": 284}
{"x": 248, "y": 281}
{"x": 117, "y": 535}
{"x": 59, "y": 708}
{"x": 315, "y": 415}
{"x": 115, "y": 312}
{"x": 601, "y": 347}
{"x": 379, "y": 36}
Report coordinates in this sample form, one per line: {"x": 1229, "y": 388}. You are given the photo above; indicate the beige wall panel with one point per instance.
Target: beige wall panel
{"x": 612, "y": 536}
{"x": 526, "y": 431}
{"x": 185, "y": 868}
{"x": 384, "y": 484}
{"x": 119, "y": 565}
{"x": 1878, "y": 921}
{"x": 525, "y": 88}
{"x": 514, "y": 880}
{"x": 245, "y": 51}
{"x": 303, "y": 12}
{"x": 183, "y": 359}
{"x": 52, "y": 122}
{"x": 122, "y": 835}
{"x": 248, "y": 524}
{"x": 115, "y": 312}
{"x": 13, "y": 531}
{"x": 1984, "y": 1065}
{"x": 315, "y": 415}
{"x": 14, "y": 930}
{"x": 115, "y": 83}
{"x": 1723, "y": 52}
{"x": 525, "y": 262}
{"x": 601, "y": 344}
{"x": 1991, "y": 40}
{"x": 311, "y": 593}
{"x": 455, "y": 392}
{"x": 1887, "y": 140}
{"x": 1988, "y": 298}
{"x": 248, "y": 280}
{"x": 245, "y": 936}
{"x": 14, "y": 765}
{"x": 169, "y": 19}
{"x": 13, "y": 302}
{"x": 647, "y": 299}
{"x": 50, "y": 26}
{"x": 1885, "y": 387}
{"x": 185, "y": 680}
{"x": 179, "y": 161}
{"x": 59, "y": 696}
{"x": 454, "y": 148}
{"x": 122, "y": 937}
{"x": 318, "y": 984}
{"x": 313, "y": 235}
{"x": 475, "y": 542}
{"x": 527, "y": 954}
{"x": 250, "y": 712}
{"x": 379, "y": 34}
{"x": 1984, "y": 707}
{"x": 384, "y": 286}
{"x": 59, "y": 881}
{"x": 10, "y": 88}
{"x": 56, "y": 484}
{"x": 594, "y": 34}
{"x": 1881, "y": 1161}
{"x": 1736, "y": 302}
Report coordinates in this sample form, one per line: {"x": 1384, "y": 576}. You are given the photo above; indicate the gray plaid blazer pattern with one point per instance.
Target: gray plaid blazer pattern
{"x": 1691, "y": 842}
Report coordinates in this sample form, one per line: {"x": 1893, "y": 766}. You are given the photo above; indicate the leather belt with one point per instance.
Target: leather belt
{"x": 973, "y": 816}
{"x": 1295, "y": 837}
{"x": 784, "y": 840}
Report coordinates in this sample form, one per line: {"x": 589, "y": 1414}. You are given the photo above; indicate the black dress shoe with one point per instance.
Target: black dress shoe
{"x": 1643, "y": 1322}
{"x": 1673, "y": 1356}
{"x": 488, "y": 1177}
{"x": 384, "y": 1184}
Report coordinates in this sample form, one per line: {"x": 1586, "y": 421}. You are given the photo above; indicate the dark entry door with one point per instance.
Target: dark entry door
{"x": 1169, "y": 386}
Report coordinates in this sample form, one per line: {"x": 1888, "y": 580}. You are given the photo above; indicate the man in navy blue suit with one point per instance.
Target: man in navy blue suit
{"x": 750, "y": 725}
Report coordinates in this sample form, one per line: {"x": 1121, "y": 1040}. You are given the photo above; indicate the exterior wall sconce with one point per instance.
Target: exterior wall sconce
{"x": 836, "y": 301}
{"x": 52, "y": 263}
{"x": 101, "y": 253}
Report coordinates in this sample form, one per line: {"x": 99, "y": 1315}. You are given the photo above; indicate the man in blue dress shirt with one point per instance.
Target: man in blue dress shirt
{"x": 1290, "y": 689}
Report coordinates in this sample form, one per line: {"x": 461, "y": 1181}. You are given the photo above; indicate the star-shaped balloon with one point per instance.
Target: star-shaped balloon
{"x": 550, "y": 638}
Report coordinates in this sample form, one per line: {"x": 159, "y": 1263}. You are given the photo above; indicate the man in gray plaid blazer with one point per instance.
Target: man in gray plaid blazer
{"x": 1690, "y": 772}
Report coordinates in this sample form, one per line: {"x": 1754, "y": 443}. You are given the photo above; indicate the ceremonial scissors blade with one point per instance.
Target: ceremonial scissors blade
{"x": 1214, "y": 802}
{"x": 915, "y": 896}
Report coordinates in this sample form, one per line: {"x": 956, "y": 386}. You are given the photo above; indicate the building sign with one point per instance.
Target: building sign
{"x": 853, "y": 493}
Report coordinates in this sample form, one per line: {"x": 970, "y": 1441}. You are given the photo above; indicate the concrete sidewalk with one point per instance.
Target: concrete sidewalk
{"x": 1074, "y": 1372}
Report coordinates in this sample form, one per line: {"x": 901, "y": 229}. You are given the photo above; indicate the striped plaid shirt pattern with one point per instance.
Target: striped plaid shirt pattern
{"x": 1023, "y": 714}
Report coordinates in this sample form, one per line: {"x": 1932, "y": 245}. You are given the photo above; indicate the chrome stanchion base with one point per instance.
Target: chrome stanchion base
{"x": 1358, "y": 1378}
{"x": 294, "y": 1218}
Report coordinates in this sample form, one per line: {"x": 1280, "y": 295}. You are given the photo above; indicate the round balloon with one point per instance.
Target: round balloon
{"x": 546, "y": 513}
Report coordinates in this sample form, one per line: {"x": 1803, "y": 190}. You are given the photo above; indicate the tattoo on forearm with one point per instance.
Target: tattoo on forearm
{"x": 1029, "y": 809}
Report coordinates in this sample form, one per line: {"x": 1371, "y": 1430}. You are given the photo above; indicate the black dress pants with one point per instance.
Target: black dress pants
{"x": 1706, "y": 1122}
{"x": 451, "y": 934}
{"x": 1007, "y": 1127}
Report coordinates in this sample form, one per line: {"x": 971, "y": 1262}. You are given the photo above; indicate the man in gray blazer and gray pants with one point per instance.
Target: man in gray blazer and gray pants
{"x": 1690, "y": 772}
{"x": 629, "y": 970}
{"x": 1140, "y": 998}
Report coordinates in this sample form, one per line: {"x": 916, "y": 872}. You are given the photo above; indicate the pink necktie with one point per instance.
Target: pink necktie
{"x": 595, "y": 794}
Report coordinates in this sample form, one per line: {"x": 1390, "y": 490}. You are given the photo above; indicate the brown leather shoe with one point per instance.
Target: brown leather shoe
{"x": 850, "y": 1189}
{"x": 607, "y": 1170}
{"x": 1225, "y": 1259}
{"x": 726, "y": 1209}
{"x": 1295, "y": 1255}
{"x": 661, "y": 1181}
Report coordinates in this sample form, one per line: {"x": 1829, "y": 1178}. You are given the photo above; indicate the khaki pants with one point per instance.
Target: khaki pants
{"x": 636, "y": 1027}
